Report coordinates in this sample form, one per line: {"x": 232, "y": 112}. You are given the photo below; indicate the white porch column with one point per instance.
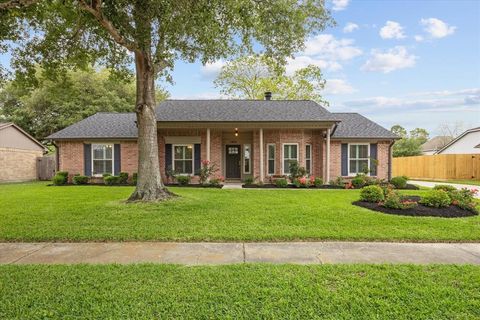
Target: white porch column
{"x": 208, "y": 144}
{"x": 327, "y": 157}
{"x": 261, "y": 155}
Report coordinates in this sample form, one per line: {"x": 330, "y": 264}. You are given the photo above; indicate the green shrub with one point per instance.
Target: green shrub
{"x": 248, "y": 181}
{"x": 123, "y": 178}
{"x": 63, "y": 174}
{"x": 296, "y": 171}
{"x": 183, "y": 180}
{"x": 318, "y": 182}
{"x": 399, "y": 182}
{"x": 59, "y": 180}
{"x": 106, "y": 175}
{"x": 464, "y": 199}
{"x": 372, "y": 194}
{"x": 444, "y": 187}
{"x": 436, "y": 199}
{"x": 358, "y": 181}
{"x": 338, "y": 181}
{"x": 281, "y": 183}
{"x": 78, "y": 179}
{"x": 394, "y": 200}
{"x": 135, "y": 178}
{"x": 216, "y": 181}
{"x": 110, "y": 180}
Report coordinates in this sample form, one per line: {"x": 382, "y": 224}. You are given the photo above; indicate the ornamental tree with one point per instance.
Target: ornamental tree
{"x": 151, "y": 35}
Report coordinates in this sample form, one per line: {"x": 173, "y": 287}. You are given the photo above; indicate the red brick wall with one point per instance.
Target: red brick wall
{"x": 129, "y": 157}
{"x": 71, "y": 157}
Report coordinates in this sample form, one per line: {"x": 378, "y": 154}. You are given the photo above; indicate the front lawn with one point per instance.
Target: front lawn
{"x": 239, "y": 292}
{"x": 35, "y": 212}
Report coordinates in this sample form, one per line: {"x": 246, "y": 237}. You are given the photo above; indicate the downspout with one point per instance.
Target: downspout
{"x": 57, "y": 156}
{"x": 390, "y": 160}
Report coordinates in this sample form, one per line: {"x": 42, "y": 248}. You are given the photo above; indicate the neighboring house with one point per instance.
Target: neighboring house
{"x": 18, "y": 154}
{"x": 435, "y": 144}
{"x": 243, "y": 138}
{"x": 466, "y": 143}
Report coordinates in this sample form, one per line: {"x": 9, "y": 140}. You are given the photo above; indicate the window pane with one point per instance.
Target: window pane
{"x": 362, "y": 166}
{"x": 98, "y": 167}
{"x": 97, "y": 152}
{"x": 246, "y": 166}
{"x": 286, "y": 151}
{"x": 178, "y": 153}
{"x": 188, "y": 167}
{"x": 271, "y": 152}
{"x": 108, "y": 152}
{"x": 308, "y": 164}
{"x": 286, "y": 166}
{"x": 293, "y": 151}
{"x": 108, "y": 166}
{"x": 353, "y": 166}
{"x": 188, "y": 152}
{"x": 353, "y": 151}
{"x": 363, "y": 151}
{"x": 308, "y": 151}
{"x": 178, "y": 164}
{"x": 271, "y": 166}
{"x": 246, "y": 152}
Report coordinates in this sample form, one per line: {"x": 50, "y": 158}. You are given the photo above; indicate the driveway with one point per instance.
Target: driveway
{"x": 431, "y": 184}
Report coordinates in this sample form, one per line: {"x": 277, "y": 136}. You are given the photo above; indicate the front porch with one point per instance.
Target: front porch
{"x": 243, "y": 151}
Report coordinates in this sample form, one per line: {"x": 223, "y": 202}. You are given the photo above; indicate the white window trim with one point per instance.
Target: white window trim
{"x": 274, "y": 156}
{"x": 193, "y": 158}
{"x": 283, "y": 155}
{"x": 311, "y": 158}
{"x": 249, "y": 159}
{"x": 350, "y": 174}
{"x": 92, "y": 158}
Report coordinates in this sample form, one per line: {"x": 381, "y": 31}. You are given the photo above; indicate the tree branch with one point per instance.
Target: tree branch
{"x": 96, "y": 10}
{"x": 16, "y": 4}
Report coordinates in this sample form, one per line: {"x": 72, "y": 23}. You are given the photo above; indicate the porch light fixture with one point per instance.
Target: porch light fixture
{"x": 236, "y": 132}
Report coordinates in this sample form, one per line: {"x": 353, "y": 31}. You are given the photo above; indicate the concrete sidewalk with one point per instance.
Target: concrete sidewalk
{"x": 431, "y": 184}
{"x": 228, "y": 253}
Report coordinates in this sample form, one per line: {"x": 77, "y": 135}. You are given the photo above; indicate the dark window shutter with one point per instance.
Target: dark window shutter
{"x": 116, "y": 159}
{"x": 344, "y": 159}
{"x": 87, "y": 160}
{"x": 373, "y": 159}
{"x": 197, "y": 159}
{"x": 168, "y": 157}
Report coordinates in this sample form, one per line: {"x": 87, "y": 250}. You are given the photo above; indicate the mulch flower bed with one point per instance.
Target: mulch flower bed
{"x": 418, "y": 211}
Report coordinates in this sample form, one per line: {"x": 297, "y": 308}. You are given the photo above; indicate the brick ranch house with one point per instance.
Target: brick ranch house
{"x": 243, "y": 138}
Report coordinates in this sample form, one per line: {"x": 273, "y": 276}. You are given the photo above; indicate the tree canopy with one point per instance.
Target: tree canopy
{"x": 249, "y": 77}
{"x": 55, "y": 103}
{"x": 409, "y": 144}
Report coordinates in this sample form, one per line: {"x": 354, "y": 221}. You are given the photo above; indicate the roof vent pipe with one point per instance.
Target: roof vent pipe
{"x": 268, "y": 95}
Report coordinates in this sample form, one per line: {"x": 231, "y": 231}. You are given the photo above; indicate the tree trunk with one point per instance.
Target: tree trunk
{"x": 149, "y": 182}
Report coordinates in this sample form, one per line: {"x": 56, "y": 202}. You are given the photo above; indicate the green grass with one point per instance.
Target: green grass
{"x": 239, "y": 292}
{"x": 469, "y": 182}
{"x": 36, "y": 212}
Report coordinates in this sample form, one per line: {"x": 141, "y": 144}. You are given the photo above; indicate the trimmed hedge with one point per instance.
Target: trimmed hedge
{"x": 78, "y": 179}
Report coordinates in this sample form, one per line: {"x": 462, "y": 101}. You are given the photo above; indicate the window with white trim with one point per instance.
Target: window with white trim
{"x": 290, "y": 154}
{"x": 271, "y": 159}
{"x": 183, "y": 158}
{"x": 308, "y": 158}
{"x": 246, "y": 159}
{"x": 358, "y": 158}
{"x": 102, "y": 159}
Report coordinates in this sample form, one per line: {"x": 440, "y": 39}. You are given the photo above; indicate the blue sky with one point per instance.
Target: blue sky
{"x": 415, "y": 63}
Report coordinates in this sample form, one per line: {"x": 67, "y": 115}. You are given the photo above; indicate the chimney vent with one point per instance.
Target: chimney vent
{"x": 268, "y": 95}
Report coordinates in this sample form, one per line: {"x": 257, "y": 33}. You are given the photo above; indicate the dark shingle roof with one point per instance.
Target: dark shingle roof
{"x": 354, "y": 125}
{"x": 242, "y": 110}
{"x": 101, "y": 125}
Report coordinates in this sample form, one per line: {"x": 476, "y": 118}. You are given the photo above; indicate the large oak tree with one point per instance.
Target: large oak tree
{"x": 152, "y": 35}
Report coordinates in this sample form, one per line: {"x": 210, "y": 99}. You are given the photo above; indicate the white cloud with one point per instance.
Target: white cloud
{"x": 303, "y": 61}
{"x": 350, "y": 27}
{"x": 446, "y": 93}
{"x": 338, "y": 86}
{"x": 390, "y": 60}
{"x": 210, "y": 70}
{"x": 392, "y": 30}
{"x": 436, "y": 28}
{"x": 418, "y": 38}
{"x": 339, "y": 5}
{"x": 328, "y": 47}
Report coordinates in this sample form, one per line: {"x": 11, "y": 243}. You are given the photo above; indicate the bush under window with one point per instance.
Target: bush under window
{"x": 110, "y": 180}
{"x": 183, "y": 180}
{"x": 78, "y": 179}
{"x": 281, "y": 183}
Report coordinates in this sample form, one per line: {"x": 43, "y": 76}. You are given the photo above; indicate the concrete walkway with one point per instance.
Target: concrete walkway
{"x": 431, "y": 184}
{"x": 228, "y": 253}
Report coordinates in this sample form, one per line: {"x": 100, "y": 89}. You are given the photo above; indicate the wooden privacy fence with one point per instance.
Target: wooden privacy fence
{"x": 46, "y": 167}
{"x": 441, "y": 166}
